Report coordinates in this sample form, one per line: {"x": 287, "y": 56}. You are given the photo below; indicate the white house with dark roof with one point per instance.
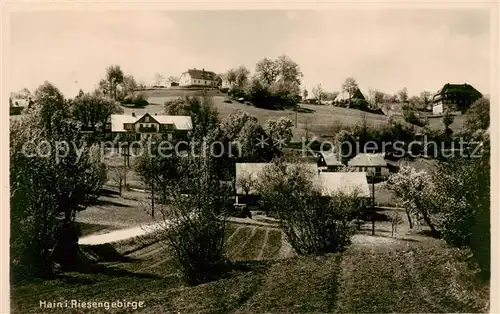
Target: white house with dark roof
{"x": 194, "y": 77}
{"x": 147, "y": 125}
{"x": 372, "y": 164}
{"x": 328, "y": 182}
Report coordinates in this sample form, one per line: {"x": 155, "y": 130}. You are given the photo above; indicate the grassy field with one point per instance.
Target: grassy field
{"x": 322, "y": 121}
{"x": 111, "y": 209}
{"x": 405, "y": 273}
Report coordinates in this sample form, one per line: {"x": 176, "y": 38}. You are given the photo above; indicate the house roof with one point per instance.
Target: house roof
{"x": 201, "y": 74}
{"x": 20, "y": 102}
{"x": 329, "y": 182}
{"x": 254, "y": 170}
{"x": 458, "y": 88}
{"x": 345, "y": 96}
{"x": 331, "y": 159}
{"x": 368, "y": 160}
{"x": 180, "y": 122}
{"x": 346, "y": 182}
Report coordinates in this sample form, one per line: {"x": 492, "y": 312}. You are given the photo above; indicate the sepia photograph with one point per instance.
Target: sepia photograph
{"x": 291, "y": 160}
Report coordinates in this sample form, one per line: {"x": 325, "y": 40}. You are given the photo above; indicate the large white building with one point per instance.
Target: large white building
{"x": 194, "y": 77}
{"x": 148, "y": 125}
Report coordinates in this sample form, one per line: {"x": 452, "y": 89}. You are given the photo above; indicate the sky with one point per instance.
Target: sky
{"x": 420, "y": 49}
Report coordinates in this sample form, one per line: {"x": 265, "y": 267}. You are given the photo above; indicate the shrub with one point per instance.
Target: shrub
{"x": 410, "y": 117}
{"x": 136, "y": 98}
{"x": 313, "y": 224}
{"x": 462, "y": 200}
{"x": 196, "y": 210}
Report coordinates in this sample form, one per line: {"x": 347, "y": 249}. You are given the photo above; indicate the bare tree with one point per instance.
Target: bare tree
{"x": 318, "y": 92}
{"x": 119, "y": 176}
{"x": 159, "y": 79}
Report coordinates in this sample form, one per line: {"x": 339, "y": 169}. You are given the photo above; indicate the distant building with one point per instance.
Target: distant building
{"x": 194, "y": 77}
{"x": 328, "y": 182}
{"x": 172, "y": 84}
{"x": 371, "y": 164}
{"x": 344, "y": 96}
{"x": 454, "y": 97}
{"x": 328, "y": 162}
{"x": 148, "y": 125}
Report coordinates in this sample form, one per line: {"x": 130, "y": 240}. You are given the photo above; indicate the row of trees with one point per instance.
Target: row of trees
{"x": 49, "y": 185}
{"x": 275, "y": 83}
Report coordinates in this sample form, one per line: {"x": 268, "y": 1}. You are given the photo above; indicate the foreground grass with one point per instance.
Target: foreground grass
{"x": 397, "y": 275}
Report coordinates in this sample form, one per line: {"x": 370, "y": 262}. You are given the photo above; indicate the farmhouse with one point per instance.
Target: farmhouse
{"x": 194, "y": 77}
{"x": 454, "y": 97}
{"x": 328, "y": 162}
{"x": 147, "y": 125}
{"x": 372, "y": 164}
{"x": 343, "y": 97}
{"x": 329, "y": 182}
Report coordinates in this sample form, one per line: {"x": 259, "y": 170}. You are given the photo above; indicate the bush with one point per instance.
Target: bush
{"x": 411, "y": 117}
{"x": 197, "y": 233}
{"x": 136, "y": 98}
{"x": 313, "y": 224}
{"x": 462, "y": 200}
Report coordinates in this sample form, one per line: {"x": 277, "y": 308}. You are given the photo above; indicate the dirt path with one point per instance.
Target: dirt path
{"x": 118, "y": 235}
{"x": 132, "y": 232}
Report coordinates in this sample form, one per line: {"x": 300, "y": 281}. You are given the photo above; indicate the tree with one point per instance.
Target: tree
{"x": 204, "y": 114}
{"x": 312, "y": 223}
{"x": 425, "y": 97}
{"x": 51, "y": 106}
{"x": 267, "y": 70}
{"x": 246, "y": 182}
{"x": 172, "y": 79}
{"x": 129, "y": 85}
{"x": 93, "y": 110}
{"x": 318, "y": 93}
{"x": 104, "y": 88}
{"x": 159, "y": 79}
{"x": 289, "y": 70}
{"x": 114, "y": 76}
{"x": 279, "y": 131}
{"x": 305, "y": 94}
{"x": 195, "y": 226}
{"x": 241, "y": 77}
{"x": 414, "y": 188}
{"x": 46, "y": 188}
{"x": 403, "y": 95}
{"x": 119, "y": 176}
{"x": 478, "y": 115}
{"x": 447, "y": 121}
{"x": 350, "y": 86}
{"x": 231, "y": 77}
{"x": 461, "y": 204}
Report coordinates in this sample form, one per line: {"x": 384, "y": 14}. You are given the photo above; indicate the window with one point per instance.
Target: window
{"x": 378, "y": 171}
{"x": 146, "y": 119}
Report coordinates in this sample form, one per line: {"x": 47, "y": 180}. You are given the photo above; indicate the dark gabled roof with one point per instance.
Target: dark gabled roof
{"x": 458, "y": 88}
{"x": 201, "y": 74}
{"x": 358, "y": 95}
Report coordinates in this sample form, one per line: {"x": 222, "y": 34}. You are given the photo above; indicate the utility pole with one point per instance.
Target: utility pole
{"x": 296, "y": 110}
{"x": 373, "y": 202}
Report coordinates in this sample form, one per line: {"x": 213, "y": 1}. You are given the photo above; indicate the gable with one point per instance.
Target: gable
{"x": 147, "y": 118}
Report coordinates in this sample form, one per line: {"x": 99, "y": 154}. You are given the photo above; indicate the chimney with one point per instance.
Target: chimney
{"x": 133, "y": 114}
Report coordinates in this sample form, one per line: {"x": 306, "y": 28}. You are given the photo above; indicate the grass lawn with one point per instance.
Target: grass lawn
{"x": 129, "y": 209}
{"x": 405, "y": 273}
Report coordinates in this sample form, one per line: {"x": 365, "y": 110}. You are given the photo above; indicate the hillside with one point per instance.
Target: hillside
{"x": 321, "y": 120}
{"x": 406, "y": 273}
